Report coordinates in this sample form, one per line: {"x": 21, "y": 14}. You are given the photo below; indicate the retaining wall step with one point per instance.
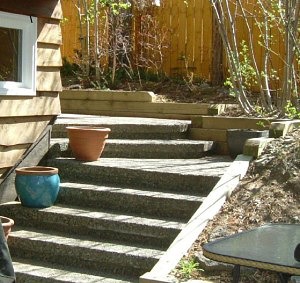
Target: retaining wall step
{"x": 123, "y": 127}
{"x": 124, "y": 104}
{"x": 126, "y": 228}
{"x": 140, "y": 148}
{"x": 82, "y": 252}
{"x": 139, "y": 201}
{"x": 30, "y": 271}
{"x": 183, "y": 175}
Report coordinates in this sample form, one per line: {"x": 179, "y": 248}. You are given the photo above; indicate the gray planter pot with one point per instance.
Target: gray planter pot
{"x": 236, "y": 139}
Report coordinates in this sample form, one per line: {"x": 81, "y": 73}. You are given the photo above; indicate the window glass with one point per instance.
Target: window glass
{"x": 18, "y": 36}
{"x": 10, "y": 54}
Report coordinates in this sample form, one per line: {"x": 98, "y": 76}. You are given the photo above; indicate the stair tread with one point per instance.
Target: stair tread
{"x": 119, "y": 233}
{"x": 41, "y": 272}
{"x": 60, "y": 239}
{"x": 110, "y": 216}
{"x": 208, "y": 165}
{"x": 93, "y": 214}
{"x": 133, "y": 191}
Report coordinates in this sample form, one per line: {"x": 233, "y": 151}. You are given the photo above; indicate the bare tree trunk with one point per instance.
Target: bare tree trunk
{"x": 96, "y": 43}
{"x": 86, "y": 55}
{"x": 217, "y": 73}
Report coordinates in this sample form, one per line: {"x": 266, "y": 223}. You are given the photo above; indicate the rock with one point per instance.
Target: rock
{"x": 211, "y": 265}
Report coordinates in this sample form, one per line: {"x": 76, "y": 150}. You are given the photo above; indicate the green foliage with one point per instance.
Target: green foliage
{"x": 187, "y": 267}
{"x": 264, "y": 124}
{"x": 68, "y": 69}
{"x": 149, "y": 75}
{"x": 291, "y": 111}
{"x": 268, "y": 24}
{"x": 115, "y": 7}
{"x": 245, "y": 71}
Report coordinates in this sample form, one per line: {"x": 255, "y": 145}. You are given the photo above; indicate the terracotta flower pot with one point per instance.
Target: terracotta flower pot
{"x": 87, "y": 143}
{"x": 37, "y": 186}
{"x": 7, "y": 224}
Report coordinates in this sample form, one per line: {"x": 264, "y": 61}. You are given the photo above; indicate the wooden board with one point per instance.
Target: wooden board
{"x": 131, "y": 114}
{"x": 230, "y": 123}
{"x": 108, "y": 95}
{"x": 48, "y": 55}
{"x": 49, "y": 32}
{"x": 29, "y": 106}
{"x": 48, "y": 79}
{"x": 36, "y": 8}
{"x": 208, "y": 134}
{"x": 21, "y": 131}
{"x": 9, "y": 155}
{"x": 141, "y": 107}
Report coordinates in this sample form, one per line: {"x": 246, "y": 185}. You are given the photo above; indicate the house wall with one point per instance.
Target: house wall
{"x": 23, "y": 119}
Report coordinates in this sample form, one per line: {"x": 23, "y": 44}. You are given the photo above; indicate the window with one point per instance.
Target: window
{"x": 17, "y": 54}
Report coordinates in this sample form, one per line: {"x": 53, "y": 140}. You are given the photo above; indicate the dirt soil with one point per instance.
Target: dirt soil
{"x": 269, "y": 193}
{"x": 170, "y": 90}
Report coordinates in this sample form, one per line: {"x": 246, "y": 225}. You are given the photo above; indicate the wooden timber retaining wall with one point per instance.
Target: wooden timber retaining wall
{"x": 131, "y": 104}
{"x": 215, "y": 128}
{"x": 206, "y": 124}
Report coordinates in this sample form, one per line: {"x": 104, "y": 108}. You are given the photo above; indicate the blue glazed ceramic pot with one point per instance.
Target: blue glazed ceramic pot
{"x": 37, "y": 186}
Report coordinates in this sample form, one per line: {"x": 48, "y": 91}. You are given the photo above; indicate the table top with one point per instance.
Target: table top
{"x": 268, "y": 247}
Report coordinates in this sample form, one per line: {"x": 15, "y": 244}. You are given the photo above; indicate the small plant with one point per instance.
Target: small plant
{"x": 187, "y": 267}
{"x": 291, "y": 111}
{"x": 264, "y": 124}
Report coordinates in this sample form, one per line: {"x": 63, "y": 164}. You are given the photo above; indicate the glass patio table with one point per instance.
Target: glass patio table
{"x": 270, "y": 247}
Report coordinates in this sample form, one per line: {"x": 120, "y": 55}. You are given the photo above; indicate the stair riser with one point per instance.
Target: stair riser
{"x": 154, "y": 151}
{"x": 132, "y": 203}
{"x": 139, "y": 151}
{"x": 200, "y": 184}
{"x": 25, "y": 278}
{"x": 152, "y": 241}
{"x": 114, "y": 263}
{"x": 134, "y": 131}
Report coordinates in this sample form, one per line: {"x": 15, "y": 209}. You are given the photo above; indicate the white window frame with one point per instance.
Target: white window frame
{"x": 28, "y": 25}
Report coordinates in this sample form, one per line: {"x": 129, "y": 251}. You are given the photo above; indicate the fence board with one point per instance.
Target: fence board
{"x": 189, "y": 30}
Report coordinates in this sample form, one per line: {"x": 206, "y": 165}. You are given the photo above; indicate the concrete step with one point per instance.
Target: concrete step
{"x": 98, "y": 224}
{"x": 124, "y": 148}
{"x": 125, "y": 127}
{"x": 131, "y": 200}
{"x": 181, "y": 175}
{"x": 30, "y": 271}
{"x": 81, "y": 252}
{"x": 114, "y": 217}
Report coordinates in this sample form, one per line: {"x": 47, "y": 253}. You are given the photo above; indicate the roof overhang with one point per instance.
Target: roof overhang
{"x": 36, "y": 8}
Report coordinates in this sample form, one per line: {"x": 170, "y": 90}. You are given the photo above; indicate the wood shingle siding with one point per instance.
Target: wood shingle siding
{"x": 24, "y": 120}
{"x": 30, "y": 106}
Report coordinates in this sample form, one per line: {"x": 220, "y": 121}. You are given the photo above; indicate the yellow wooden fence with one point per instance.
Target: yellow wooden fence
{"x": 189, "y": 27}
{"x": 189, "y": 35}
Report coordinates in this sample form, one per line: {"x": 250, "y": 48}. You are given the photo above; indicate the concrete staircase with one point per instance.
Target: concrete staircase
{"x": 114, "y": 217}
